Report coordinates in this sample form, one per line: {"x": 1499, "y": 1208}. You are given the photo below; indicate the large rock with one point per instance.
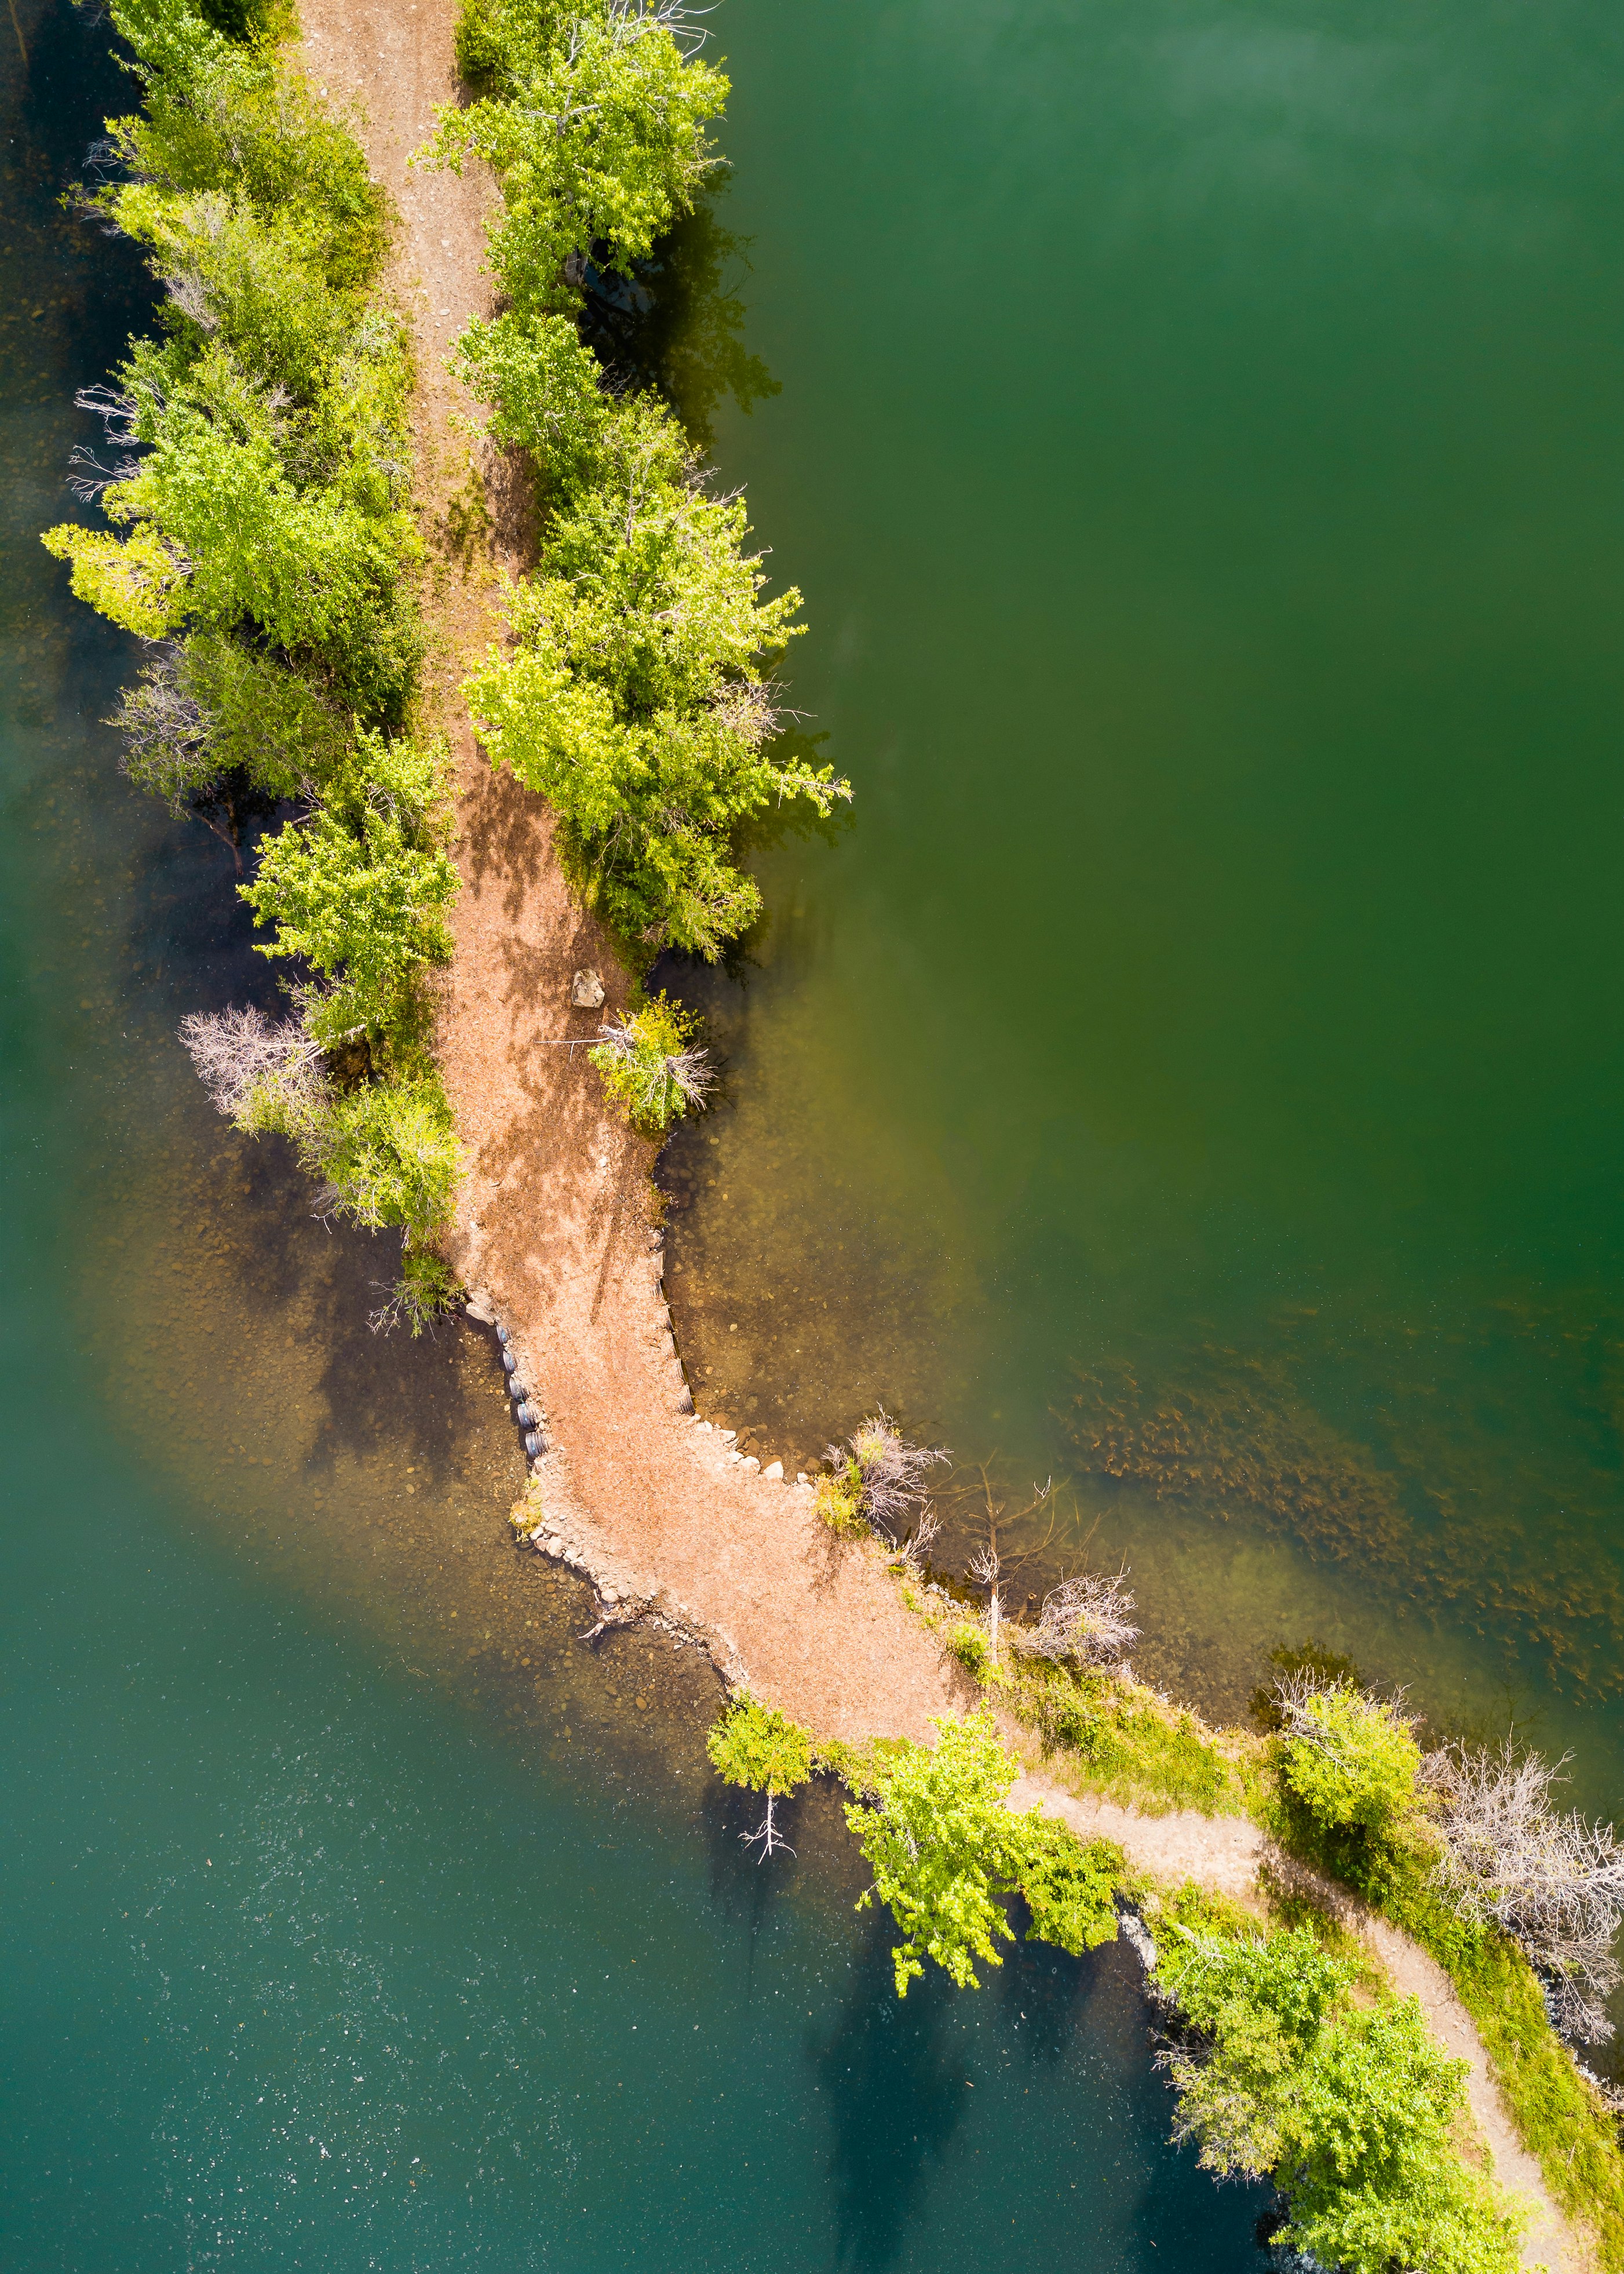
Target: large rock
{"x": 586, "y": 991}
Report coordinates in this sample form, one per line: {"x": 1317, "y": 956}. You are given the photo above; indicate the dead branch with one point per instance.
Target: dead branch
{"x": 1085, "y": 1620}
{"x": 237, "y": 1053}
{"x": 1554, "y": 1882}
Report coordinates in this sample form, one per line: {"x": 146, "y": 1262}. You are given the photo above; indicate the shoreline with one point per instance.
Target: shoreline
{"x": 637, "y": 1494}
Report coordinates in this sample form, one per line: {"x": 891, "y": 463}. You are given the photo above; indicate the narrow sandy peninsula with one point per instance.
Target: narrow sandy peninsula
{"x": 554, "y": 1219}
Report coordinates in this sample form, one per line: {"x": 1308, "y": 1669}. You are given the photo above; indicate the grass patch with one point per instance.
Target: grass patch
{"x": 1120, "y": 1740}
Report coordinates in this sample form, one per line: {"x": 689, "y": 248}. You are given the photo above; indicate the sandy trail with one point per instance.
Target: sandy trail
{"x": 555, "y": 1219}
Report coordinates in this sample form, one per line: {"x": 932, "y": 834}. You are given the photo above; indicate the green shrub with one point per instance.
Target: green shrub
{"x": 836, "y": 1501}
{"x": 756, "y": 1747}
{"x": 651, "y": 1066}
{"x": 1353, "y": 2109}
{"x": 426, "y": 1290}
{"x": 481, "y": 50}
{"x": 969, "y": 1646}
{"x": 945, "y": 1852}
{"x": 1349, "y": 1759}
{"x": 360, "y": 891}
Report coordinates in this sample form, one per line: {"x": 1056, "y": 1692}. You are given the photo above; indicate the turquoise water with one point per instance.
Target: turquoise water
{"x": 1196, "y": 1074}
{"x": 351, "y": 1915}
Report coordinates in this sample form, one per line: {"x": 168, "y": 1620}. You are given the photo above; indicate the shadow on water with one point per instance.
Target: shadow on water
{"x": 678, "y": 323}
{"x": 893, "y": 2072}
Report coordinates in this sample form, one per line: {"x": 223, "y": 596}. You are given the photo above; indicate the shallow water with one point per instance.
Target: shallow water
{"x": 1195, "y": 1074}
{"x": 352, "y": 1915}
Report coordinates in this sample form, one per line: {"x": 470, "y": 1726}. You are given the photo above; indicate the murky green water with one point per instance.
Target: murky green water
{"x": 1197, "y": 1075}
{"x": 351, "y": 1915}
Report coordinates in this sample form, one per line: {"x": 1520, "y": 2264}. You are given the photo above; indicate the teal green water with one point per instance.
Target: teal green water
{"x": 351, "y": 1915}
{"x": 1196, "y": 1074}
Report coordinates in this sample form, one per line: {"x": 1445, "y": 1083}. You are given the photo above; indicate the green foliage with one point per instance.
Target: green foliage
{"x": 1350, "y": 1759}
{"x": 837, "y": 1501}
{"x": 635, "y": 695}
{"x": 757, "y": 1747}
{"x": 623, "y": 147}
{"x": 969, "y": 1646}
{"x": 267, "y": 514}
{"x": 1070, "y": 1886}
{"x": 1126, "y": 1742}
{"x": 480, "y": 48}
{"x": 138, "y": 583}
{"x": 1355, "y": 2110}
{"x": 945, "y": 1852}
{"x": 649, "y": 1066}
{"x": 359, "y": 891}
{"x": 426, "y": 1290}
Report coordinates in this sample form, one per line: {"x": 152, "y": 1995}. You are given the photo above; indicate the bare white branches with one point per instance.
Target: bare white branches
{"x": 1085, "y": 1620}
{"x": 984, "y": 1568}
{"x": 1554, "y": 1882}
{"x": 246, "y": 1062}
{"x": 168, "y": 735}
{"x": 892, "y": 1471}
{"x": 767, "y": 1836}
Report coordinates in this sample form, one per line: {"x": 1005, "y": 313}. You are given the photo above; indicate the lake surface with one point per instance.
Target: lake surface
{"x": 1195, "y": 1075}
{"x": 351, "y": 1915}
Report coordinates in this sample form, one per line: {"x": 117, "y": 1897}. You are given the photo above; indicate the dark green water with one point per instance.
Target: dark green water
{"x": 1198, "y": 1073}
{"x": 351, "y": 1915}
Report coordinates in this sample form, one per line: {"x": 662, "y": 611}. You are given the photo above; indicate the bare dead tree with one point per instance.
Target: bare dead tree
{"x": 1085, "y": 1620}
{"x": 889, "y": 1470}
{"x": 237, "y": 1053}
{"x": 984, "y": 1571}
{"x": 767, "y": 1835}
{"x": 1553, "y": 1882}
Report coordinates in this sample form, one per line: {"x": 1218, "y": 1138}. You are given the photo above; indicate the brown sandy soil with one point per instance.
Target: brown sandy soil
{"x": 555, "y": 1219}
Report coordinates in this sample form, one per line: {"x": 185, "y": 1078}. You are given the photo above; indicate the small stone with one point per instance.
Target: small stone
{"x": 750, "y": 1462}
{"x": 586, "y": 991}
{"x": 774, "y": 1471}
{"x": 704, "y": 1424}
{"x": 480, "y": 1306}
{"x": 727, "y": 1435}
{"x": 801, "y": 1477}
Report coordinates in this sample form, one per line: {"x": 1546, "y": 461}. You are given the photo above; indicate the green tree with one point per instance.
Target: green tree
{"x": 1353, "y": 2109}
{"x": 758, "y": 1748}
{"x": 946, "y": 1852}
{"x": 1349, "y": 1759}
{"x": 596, "y": 135}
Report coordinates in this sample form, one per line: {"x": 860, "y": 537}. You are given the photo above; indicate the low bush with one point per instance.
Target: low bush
{"x": 1348, "y": 1756}
{"x": 969, "y": 1644}
{"x": 426, "y": 1290}
{"x": 651, "y": 1066}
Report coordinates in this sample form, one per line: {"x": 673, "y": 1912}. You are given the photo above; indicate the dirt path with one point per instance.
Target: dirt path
{"x": 650, "y": 1502}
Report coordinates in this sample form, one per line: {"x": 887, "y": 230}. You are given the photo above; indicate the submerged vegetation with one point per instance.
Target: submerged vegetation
{"x": 261, "y": 544}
